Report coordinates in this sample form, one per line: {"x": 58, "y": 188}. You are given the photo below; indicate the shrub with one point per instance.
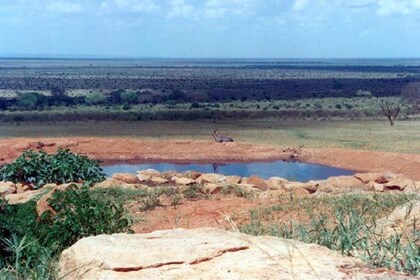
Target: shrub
{"x": 30, "y": 245}
{"x": 40, "y": 168}
{"x": 192, "y": 192}
{"x": 95, "y": 98}
{"x": 129, "y": 97}
{"x": 78, "y": 215}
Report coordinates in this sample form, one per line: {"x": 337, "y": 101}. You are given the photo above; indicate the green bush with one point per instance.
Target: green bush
{"x": 78, "y": 215}
{"x": 129, "y": 97}
{"x": 39, "y": 168}
{"x": 30, "y": 245}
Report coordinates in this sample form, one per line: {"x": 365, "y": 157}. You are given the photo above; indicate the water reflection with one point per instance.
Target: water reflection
{"x": 298, "y": 171}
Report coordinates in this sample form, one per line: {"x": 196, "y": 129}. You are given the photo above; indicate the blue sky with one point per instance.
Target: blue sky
{"x": 211, "y": 28}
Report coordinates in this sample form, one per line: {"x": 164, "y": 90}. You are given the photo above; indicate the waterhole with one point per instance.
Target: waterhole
{"x": 296, "y": 171}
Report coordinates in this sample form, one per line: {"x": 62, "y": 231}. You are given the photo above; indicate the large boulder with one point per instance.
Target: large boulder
{"x": 346, "y": 182}
{"x": 207, "y": 253}
{"x": 257, "y": 182}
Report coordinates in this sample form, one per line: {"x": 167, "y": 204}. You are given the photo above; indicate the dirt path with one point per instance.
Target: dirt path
{"x": 123, "y": 149}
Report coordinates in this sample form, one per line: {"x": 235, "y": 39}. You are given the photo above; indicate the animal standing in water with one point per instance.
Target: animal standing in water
{"x": 221, "y": 138}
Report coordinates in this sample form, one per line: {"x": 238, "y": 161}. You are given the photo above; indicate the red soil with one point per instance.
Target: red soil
{"x": 123, "y": 149}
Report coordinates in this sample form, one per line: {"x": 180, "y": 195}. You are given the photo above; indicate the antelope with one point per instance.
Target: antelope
{"x": 221, "y": 138}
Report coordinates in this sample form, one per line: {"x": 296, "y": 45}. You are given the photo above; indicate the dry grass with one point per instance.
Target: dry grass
{"x": 370, "y": 135}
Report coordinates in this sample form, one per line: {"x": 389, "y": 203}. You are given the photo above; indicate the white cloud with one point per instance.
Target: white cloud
{"x": 180, "y": 8}
{"x": 299, "y": 5}
{"x": 131, "y": 6}
{"x": 223, "y": 8}
{"x": 397, "y": 7}
{"x": 65, "y": 7}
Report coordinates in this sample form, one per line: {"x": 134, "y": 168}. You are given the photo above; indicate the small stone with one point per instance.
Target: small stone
{"x": 378, "y": 187}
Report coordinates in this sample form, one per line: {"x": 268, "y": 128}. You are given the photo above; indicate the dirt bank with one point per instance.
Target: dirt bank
{"x": 123, "y": 149}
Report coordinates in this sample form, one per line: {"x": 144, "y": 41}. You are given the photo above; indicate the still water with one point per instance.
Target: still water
{"x": 297, "y": 171}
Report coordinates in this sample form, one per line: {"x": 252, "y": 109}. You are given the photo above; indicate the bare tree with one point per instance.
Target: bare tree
{"x": 391, "y": 110}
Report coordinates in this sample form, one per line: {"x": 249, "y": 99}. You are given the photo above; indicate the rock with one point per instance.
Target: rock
{"x": 300, "y": 192}
{"x": 385, "y": 178}
{"x": 399, "y": 183}
{"x": 417, "y": 186}
{"x": 20, "y": 188}
{"x": 248, "y": 188}
{"x": 257, "y": 182}
{"x": 401, "y": 220}
{"x": 208, "y": 253}
{"x": 7, "y": 188}
{"x": 159, "y": 180}
{"x": 126, "y": 178}
{"x": 112, "y": 183}
{"x": 192, "y": 174}
{"x": 210, "y": 178}
{"x": 149, "y": 172}
{"x": 345, "y": 182}
{"x": 143, "y": 178}
{"x": 183, "y": 181}
{"x": 378, "y": 187}
{"x": 276, "y": 183}
{"x": 274, "y": 194}
{"x": 328, "y": 188}
{"x": 310, "y": 187}
{"x": 367, "y": 177}
{"x": 232, "y": 180}
{"x": 19, "y": 198}
{"x": 211, "y": 188}
{"x": 42, "y": 204}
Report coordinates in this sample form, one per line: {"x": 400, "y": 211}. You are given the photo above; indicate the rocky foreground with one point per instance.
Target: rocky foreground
{"x": 210, "y": 183}
{"x": 208, "y": 253}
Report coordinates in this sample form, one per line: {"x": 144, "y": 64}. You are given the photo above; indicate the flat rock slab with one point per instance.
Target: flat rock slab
{"x": 207, "y": 253}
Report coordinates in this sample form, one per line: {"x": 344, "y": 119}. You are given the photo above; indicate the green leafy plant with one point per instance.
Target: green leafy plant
{"x": 40, "y": 168}
{"x": 30, "y": 245}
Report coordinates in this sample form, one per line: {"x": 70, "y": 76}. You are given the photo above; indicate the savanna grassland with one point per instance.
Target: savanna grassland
{"x": 120, "y": 107}
{"x": 378, "y": 135}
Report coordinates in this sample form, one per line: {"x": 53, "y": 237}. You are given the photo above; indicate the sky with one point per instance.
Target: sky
{"x": 211, "y": 28}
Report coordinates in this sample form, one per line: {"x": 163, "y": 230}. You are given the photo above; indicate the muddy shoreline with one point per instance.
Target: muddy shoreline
{"x": 118, "y": 150}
